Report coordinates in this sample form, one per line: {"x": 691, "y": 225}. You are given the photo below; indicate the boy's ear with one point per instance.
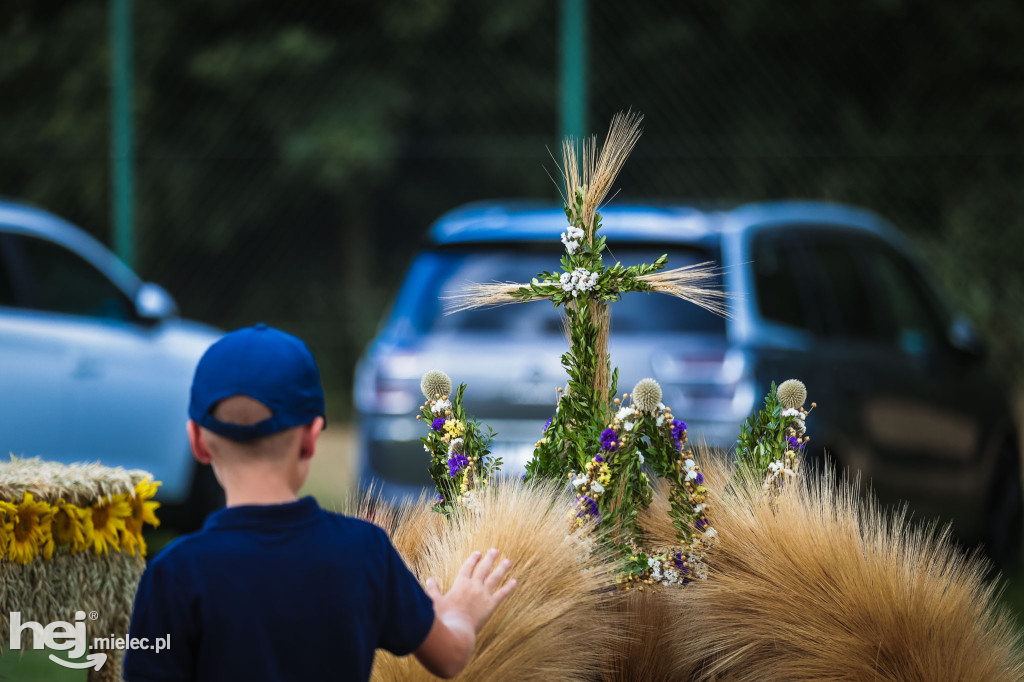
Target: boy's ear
{"x": 309, "y": 435}
{"x": 195, "y": 439}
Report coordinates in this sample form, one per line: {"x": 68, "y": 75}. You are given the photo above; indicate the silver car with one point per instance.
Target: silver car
{"x": 95, "y": 365}
{"x": 824, "y": 292}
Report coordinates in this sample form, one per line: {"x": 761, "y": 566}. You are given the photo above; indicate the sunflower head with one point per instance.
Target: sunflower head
{"x": 30, "y": 530}
{"x": 142, "y": 505}
{"x": 105, "y": 520}
{"x": 69, "y": 526}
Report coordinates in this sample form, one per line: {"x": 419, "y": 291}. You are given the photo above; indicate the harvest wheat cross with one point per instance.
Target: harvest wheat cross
{"x": 585, "y": 285}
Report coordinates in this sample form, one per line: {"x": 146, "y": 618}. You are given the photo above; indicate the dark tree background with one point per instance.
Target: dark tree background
{"x": 290, "y": 156}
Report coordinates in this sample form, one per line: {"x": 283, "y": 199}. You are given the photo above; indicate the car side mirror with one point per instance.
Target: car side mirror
{"x": 964, "y": 338}
{"x": 153, "y": 303}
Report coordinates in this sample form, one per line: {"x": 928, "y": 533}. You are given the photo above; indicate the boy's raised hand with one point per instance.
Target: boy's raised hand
{"x": 475, "y": 592}
{"x": 462, "y": 611}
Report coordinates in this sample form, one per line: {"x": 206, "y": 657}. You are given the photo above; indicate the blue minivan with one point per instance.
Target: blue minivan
{"x": 824, "y": 292}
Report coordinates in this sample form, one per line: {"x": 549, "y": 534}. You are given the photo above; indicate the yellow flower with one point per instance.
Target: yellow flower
{"x": 30, "y": 530}
{"x": 69, "y": 526}
{"x": 132, "y": 541}
{"x": 454, "y": 428}
{"x": 6, "y": 524}
{"x": 104, "y": 522}
{"x": 142, "y": 511}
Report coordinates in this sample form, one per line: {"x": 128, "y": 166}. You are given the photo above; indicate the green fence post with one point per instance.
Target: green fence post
{"x": 121, "y": 152}
{"x": 573, "y": 110}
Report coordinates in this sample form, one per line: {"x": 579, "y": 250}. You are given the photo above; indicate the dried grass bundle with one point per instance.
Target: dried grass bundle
{"x": 693, "y": 283}
{"x": 658, "y": 625}
{"x": 49, "y": 590}
{"x": 77, "y": 483}
{"x": 410, "y": 524}
{"x": 560, "y": 619}
{"x": 590, "y": 170}
{"x": 820, "y": 584}
{"x": 474, "y": 295}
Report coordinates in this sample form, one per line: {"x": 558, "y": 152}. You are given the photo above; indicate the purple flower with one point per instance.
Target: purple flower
{"x": 598, "y": 458}
{"x": 793, "y": 444}
{"x": 456, "y": 463}
{"x": 702, "y": 524}
{"x": 438, "y": 424}
{"x": 678, "y": 560}
{"x": 440, "y": 498}
{"x": 700, "y": 478}
{"x": 678, "y": 429}
{"x": 587, "y": 507}
{"x": 608, "y": 440}
{"x": 548, "y": 423}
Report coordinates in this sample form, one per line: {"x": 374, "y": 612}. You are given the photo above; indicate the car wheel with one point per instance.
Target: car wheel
{"x": 1005, "y": 532}
{"x": 204, "y": 496}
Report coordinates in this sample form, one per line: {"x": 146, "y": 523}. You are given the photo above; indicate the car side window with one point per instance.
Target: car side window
{"x": 850, "y": 309}
{"x": 917, "y": 323}
{"x": 779, "y": 280}
{"x": 8, "y": 297}
{"x": 61, "y": 281}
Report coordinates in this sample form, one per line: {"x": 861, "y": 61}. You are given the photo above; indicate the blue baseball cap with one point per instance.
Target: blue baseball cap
{"x": 264, "y": 364}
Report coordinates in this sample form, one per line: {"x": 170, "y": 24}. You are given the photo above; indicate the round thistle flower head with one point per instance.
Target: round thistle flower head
{"x": 792, "y": 393}
{"x": 435, "y": 384}
{"x": 647, "y": 395}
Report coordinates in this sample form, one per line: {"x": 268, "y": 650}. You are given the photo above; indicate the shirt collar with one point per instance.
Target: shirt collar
{"x": 263, "y": 515}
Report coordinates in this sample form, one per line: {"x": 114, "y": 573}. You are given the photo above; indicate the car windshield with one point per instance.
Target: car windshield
{"x": 637, "y": 313}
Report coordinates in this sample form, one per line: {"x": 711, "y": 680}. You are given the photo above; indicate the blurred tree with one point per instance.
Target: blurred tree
{"x": 291, "y": 155}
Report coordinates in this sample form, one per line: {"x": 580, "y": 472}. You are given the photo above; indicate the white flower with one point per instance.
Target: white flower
{"x": 710, "y": 533}
{"x": 578, "y": 280}
{"x": 698, "y": 508}
{"x": 440, "y": 406}
{"x": 578, "y": 481}
{"x": 792, "y": 412}
{"x": 426, "y": 449}
{"x": 641, "y": 457}
{"x": 628, "y": 426}
{"x": 597, "y": 488}
{"x": 571, "y": 238}
{"x": 652, "y": 562}
{"x": 625, "y": 413}
{"x": 660, "y": 420}
{"x": 689, "y": 464}
{"x": 691, "y": 476}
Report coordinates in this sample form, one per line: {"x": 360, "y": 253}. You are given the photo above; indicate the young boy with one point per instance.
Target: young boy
{"x": 273, "y": 587}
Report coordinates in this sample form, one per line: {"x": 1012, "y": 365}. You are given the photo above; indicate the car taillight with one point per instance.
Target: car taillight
{"x": 380, "y": 389}
{"x": 712, "y": 383}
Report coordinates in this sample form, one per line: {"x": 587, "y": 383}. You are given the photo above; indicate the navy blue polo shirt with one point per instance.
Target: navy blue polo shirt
{"x": 276, "y": 592}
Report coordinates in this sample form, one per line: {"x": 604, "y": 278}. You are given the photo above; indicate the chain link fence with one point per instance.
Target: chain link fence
{"x": 290, "y": 156}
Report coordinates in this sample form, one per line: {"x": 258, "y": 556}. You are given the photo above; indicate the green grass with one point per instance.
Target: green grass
{"x": 35, "y": 666}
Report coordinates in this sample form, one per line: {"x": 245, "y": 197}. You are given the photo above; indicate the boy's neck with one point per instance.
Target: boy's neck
{"x": 253, "y": 498}
{"x": 257, "y": 490}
